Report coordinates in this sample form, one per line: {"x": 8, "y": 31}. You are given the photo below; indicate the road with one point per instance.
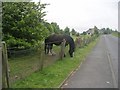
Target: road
{"x": 100, "y": 69}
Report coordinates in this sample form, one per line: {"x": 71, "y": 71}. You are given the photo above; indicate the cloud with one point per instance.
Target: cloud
{"x": 83, "y": 14}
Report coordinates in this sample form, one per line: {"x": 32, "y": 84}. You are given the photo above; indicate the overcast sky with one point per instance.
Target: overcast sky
{"x": 82, "y": 14}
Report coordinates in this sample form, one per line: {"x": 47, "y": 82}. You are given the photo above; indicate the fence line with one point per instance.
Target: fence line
{"x": 39, "y": 52}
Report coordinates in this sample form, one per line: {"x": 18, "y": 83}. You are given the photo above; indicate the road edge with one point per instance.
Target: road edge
{"x": 72, "y": 72}
{"x": 110, "y": 65}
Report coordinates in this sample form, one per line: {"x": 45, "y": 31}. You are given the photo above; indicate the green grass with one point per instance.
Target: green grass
{"x": 18, "y": 66}
{"x": 23, "y": 66}
{"x": 117, "y": 34}
{"x": 52, "y": 76}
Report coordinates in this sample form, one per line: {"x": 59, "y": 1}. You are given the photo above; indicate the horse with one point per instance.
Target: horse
{"x": 57, "y": 39}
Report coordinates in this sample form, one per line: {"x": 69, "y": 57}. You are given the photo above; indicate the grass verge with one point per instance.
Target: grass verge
{"x": 52, "y": 76}
{"x": 117, "y": 34}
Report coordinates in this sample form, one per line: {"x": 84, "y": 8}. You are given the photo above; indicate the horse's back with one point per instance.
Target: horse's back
{"x": 55, "y": 38}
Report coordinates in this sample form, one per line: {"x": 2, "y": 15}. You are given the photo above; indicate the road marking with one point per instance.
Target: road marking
{"x": 113, "y": 74}
{"x": 111, "y": 67}
{"x": 107, "y": 82}
{"x": 66, "y": 84}
{"x": 66, "y": 80}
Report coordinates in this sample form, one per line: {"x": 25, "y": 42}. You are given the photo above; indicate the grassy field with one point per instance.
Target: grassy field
{"x": 53, "y": 75}
{"x": 116, "y": 34}
{"x": 29, "y": 64}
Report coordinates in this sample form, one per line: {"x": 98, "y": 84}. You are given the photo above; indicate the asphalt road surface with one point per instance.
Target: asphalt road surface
{"x": 100, "y": 69}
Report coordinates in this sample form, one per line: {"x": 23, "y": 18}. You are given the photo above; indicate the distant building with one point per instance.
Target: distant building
{"x": 90, "y": 31}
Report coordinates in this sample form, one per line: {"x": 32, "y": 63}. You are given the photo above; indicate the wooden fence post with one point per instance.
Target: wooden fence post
{"x": 41, "y": 59}
{"x": 62, "y": 52}
{"x": 82, "y": 42}
{"x": 5, "y": 73}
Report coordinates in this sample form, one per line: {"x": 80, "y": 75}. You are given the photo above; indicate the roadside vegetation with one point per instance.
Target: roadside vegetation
{"x": 29, "y": 61}
{"x": 52, "y": 76}
{"x": 24, "y": 37}
{"x": 116, "y": 33}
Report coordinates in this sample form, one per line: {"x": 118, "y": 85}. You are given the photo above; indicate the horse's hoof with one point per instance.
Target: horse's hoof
{"x": 53, "y": 54}
{"x": 50, "y": 54}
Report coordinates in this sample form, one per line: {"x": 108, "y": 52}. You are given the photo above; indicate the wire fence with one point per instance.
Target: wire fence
{"x": 22, "y": 63}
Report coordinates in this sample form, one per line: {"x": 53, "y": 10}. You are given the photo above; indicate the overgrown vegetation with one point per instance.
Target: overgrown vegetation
{"x": 52, "y": 76}
{"x": 116, "y": 33}
{"x": 24, "y": 25}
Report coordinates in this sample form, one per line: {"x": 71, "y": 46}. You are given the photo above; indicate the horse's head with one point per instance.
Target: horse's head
{"x": 72, "y": 48}
{"x": 70, "y": 41}
{"x": 71, "y": 51}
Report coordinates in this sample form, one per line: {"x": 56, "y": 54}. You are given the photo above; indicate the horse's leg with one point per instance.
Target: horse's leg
{"x": 64, "y": 55}
{"x": 51, "y": 46}
{"x": 45, "y": 48}
{"x": 49, "y": 49}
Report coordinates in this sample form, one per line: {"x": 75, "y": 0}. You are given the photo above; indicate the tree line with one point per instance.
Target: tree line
{"x": 24, "y": 26}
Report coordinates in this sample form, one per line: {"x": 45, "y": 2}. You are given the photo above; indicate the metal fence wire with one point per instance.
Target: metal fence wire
{"x": 24, "y": 62}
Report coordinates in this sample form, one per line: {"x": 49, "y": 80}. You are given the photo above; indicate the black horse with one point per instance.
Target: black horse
{"x": 57, "y": 39}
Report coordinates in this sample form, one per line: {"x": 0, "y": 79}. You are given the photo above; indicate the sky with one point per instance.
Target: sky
{"x": 82, "y": 14}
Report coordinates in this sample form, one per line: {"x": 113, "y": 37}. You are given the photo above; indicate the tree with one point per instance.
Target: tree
{"x": 61, "y": 31}
{"x": 77, "y": 34}
{"x": 96, "y": 30}
{"x": 23, "y": 24}
{"x": 73, "y": 32}
{"x": 49, "y": 27}
{"x": 67, "y": 31}
{"x": 55, "y": 27}
{"x": 108, "y": 30}
{"x": 84, "y": 33}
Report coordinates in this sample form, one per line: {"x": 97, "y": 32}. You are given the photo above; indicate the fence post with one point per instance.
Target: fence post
{"x": 5, "y": 73}
{"x": 62, "y": 52}
{"x": 41, "y": 63}
{"x": 82, "y": 42}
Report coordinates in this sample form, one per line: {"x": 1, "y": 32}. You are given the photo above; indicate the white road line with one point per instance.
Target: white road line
{"x": 113, "y": 74}
{"x": 111, "y": 67}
